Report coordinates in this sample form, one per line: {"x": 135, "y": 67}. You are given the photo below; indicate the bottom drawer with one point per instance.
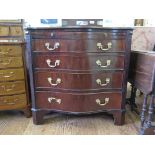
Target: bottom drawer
{"x": 12, "y": 101}
{"x": 78, "y": 102}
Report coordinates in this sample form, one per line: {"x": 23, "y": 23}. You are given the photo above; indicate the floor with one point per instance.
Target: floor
{"x": 14, "y": 123}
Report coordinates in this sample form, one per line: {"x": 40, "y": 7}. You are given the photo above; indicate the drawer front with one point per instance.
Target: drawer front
{"x": 9, "y": 50}
{"x": 142, "y": 62}
{"x": 81, "y": 81}
{"x": 143, "y": 81}
{"x": 9, "y": 88}
{"x": 48, "y": 45}
{"x": 13, "y": 101}
{"x": 78, "y": 62}
{"x": 4, "y": 30}
{"x": 78, "y": 35}
{"x": 11, "y": 62}
{"x": 16, "y": 31}
{"x": 11, "y": 74}
{"x": 78, "y": 102}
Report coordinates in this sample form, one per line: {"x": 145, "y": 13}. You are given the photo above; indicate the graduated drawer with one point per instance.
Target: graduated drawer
{"x": 9, "y": 88}
{"x": 81, "y": 45}
{"x": 10, "y": 50}
{"x": 78, "y": 61}
{"x": 4, "y": 30}
{"x": 11, "y": 74}
{"x": 12, "y": 101}
{"x": 11, "y": 62}
{"x": 78, "y": 102}
{"x": 57, "y": 34}
{"x": 79, "y": 81}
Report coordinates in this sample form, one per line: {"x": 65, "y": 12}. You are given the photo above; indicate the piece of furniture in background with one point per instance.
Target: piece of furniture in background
{"x": 13, "y": 77}
{"x": 79, "y": 71}
{"x": 142, "y": 77}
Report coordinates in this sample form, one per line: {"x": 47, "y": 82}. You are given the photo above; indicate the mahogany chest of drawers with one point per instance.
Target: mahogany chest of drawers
{"x": 79, "y": 71}
{"x": 13, "y": 80}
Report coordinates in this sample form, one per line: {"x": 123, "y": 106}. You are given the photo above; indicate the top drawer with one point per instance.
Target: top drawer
{"x": 62, "y": 34}
{"x": 78, "y": 39}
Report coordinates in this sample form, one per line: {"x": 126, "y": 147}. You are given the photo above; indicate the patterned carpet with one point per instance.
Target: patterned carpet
{"x": 14, "y": 123}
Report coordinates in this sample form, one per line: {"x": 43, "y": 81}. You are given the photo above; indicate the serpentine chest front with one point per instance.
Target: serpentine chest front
{"x": 79, "y": 71}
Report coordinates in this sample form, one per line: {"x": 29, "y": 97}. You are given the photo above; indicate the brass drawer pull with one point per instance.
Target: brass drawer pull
{"x": 5, "y": 88}
{"x": 50, "y": 99}
{"x": 56, "y": 45}
{"x": 98, "y": 81}
{"x": 54, "y": 84}
{"x": 99, "y": 102}
{"x": 5, "y": 62}
{"x": 57, "y": 63}
{"x": 100, "y": 46}
{"x": 7, "y": 76}
{"x": 98, "y": 62}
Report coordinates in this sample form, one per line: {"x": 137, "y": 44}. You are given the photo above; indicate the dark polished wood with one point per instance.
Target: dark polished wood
{"x": 78, "y": 102}
{"x": 74, "y": 34}
{"x": 38, "y": 116}
{"x": 144, "y": 109}
{"x": 79, "y": 62}
{"x": 142, "y": 77}
{"x": 65, "y": 65}
{"x": 119, "y": 117}
{"x": 142, "y": 70}
{"x": 77, "y": 45}
{"x": 81, "y": 81}
{"x": 132, "y": 100}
